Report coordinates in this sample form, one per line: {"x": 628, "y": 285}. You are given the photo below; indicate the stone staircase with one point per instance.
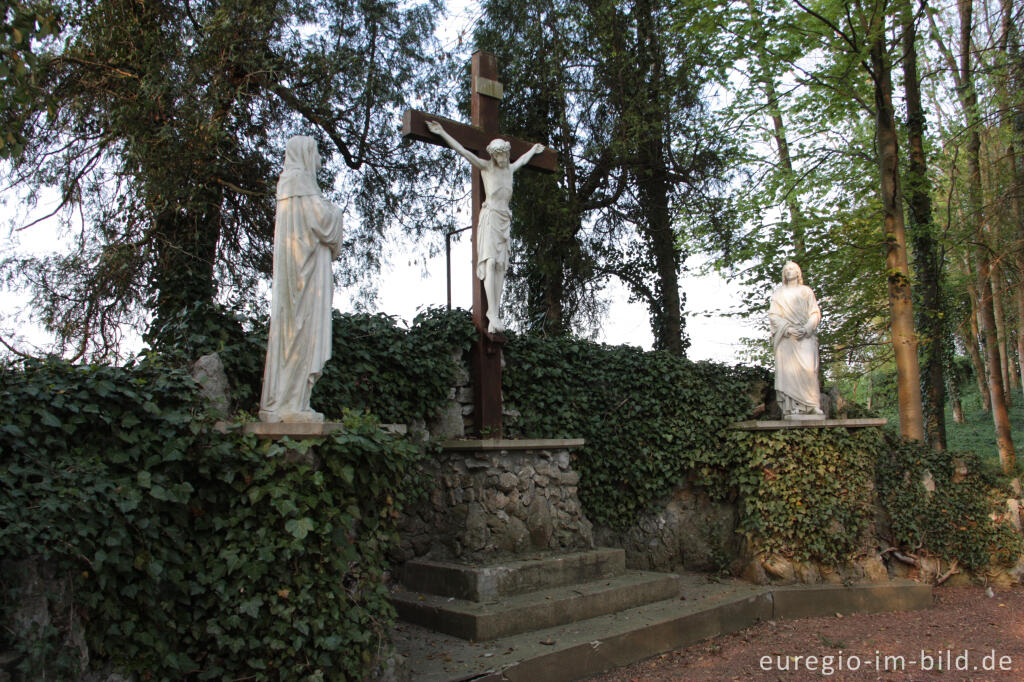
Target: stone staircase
{"x": 701, "y": 608}
{"x": 481, "y": 602}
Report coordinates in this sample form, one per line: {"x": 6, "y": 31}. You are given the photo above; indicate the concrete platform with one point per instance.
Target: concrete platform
{"x": 706, "y": 609}
{"x": 295, "y": 430}
{"x": 486, "y": 444}
{"x": 507, "y": 578}
{"x": 481, "y": 621}
{"x": 776, "y": 425}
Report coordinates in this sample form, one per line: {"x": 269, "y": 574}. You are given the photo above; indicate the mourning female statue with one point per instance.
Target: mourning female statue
{"x": 307, "y": 237}
{"x": 492, "y": 240}
{"x": 794, "y": 316}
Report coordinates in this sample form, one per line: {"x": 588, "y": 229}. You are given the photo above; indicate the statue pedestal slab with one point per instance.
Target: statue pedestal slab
{"x": 294, "y": 430}
{"x": 776, "y": 425}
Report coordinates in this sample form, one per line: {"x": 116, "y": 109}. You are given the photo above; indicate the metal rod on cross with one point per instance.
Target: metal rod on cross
{"x": 486, "y": 93}
{"x": 448, "y": 258}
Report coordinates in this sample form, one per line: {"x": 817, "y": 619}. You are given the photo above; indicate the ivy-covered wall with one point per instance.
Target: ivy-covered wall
{"x": 194, "y": 554}
{"x": 190, "y": 554}
{"x": 652, "y": 421}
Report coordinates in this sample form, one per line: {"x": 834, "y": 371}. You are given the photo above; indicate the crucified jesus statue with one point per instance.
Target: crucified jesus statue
{"x": 495, "y": 218}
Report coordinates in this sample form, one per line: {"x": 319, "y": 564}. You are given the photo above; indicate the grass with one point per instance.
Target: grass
{"x": 977, "y": 434}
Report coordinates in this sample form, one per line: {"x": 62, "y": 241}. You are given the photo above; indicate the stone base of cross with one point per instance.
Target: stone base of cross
{"x": 487, "y": 92}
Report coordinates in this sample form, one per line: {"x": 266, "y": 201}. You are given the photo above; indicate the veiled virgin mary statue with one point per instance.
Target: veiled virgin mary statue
{"x": 307, "y": 237}
{"x": 794, "y": 316}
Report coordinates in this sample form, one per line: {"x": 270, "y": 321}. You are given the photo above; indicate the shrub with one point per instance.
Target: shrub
{"x": 196, "y": 555}
{"x": 651, "y": 420}
{"x": 953, "y": 521}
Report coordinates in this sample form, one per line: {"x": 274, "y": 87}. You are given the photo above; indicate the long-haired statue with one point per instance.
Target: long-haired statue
{"x": 794, "y": 315}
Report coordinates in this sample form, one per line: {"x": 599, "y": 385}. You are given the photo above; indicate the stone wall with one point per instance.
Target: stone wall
{"x": 688, "y": 532}
{"x": 493, "y": 498}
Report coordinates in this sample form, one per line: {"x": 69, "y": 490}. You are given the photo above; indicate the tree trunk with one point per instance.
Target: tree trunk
{"x": 1020, "y": 317}
{"x": 901, "y": 306}
{"x": 931, "y": 320}
{"x": 1011, "y": 82}
{"x": 654, "y": 187}
{"x": 972, "y": 341}
{"x": 183, "y": 275}
{"x": 1000, "y": 320}
{"x": 954, "y": 398}
{"x": 666, "y": 310}
{"x": 969, "y": 98}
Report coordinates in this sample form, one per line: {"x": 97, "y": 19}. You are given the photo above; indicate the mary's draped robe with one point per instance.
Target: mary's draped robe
{"x": 307, "y": 238}
{"x": 796, "y": 360}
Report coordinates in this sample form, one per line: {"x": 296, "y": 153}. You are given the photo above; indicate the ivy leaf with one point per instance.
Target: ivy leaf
{"x": 48, "y": 419}
{"x": 299, "y": 528}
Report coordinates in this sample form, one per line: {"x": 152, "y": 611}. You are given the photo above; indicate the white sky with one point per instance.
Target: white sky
{"x": 404, "y": 288}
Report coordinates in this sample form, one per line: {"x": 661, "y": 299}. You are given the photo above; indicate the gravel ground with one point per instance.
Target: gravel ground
{"x": 968, "y": 635}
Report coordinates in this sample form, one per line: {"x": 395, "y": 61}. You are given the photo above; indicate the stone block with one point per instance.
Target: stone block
{"x": 535, "y": 610}
{"x": 476, "y": 535}
{"x": 497, "y": 580}
{"x": 1013, "y": 512}
{"x": 450, "y": 423}
{"x": 804, "y": 601}
{"x": 208, "y": 372}
{"x": 779, "y": 568}
{"x": 539, "y": 524}
{"x": 507, "y": 481}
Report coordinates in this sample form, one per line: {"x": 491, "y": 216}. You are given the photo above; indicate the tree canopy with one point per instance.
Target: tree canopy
{"x": 160, "y": 125}
{"x": 876, "y": 142}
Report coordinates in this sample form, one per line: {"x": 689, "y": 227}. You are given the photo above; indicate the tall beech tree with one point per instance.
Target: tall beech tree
{"x": 969, "y": 102}
{"x": 901, "y": 307}
{"x": 964, "y": 78}
{"x": 931, "y": 317}
{"x": 858, "y": 29}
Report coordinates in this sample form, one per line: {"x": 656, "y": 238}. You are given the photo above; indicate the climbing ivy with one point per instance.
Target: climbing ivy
{"x": 805, "y": 493}
{"x": 402, "y": 376}
{"x": 195, "y": 554}
{"x": 651, "y": 420}
{"x": 954, "y": 520}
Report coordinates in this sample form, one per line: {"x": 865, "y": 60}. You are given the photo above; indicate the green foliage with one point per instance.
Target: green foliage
{"x": 805, "y": 492}
{"x": 402, "y": 376}
{"x": 161, "y": 128}
{"x": 651, "y": 420}
{"x": 952, "y": 522}
{"x": 195, "y": 554}
{"x": 976, "y": 433}
{"x": 24, "y": 26}
{"x": 630, "y": 168}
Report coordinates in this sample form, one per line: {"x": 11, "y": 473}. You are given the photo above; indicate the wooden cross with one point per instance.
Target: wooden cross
{"x": 487, "y": 91}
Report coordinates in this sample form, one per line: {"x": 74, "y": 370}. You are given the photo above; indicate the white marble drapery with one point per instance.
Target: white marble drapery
{"x": 794, "y": 315}
{"x": 307, "y": 237}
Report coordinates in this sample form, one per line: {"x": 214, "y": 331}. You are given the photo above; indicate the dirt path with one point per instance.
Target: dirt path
{"x": 968, "y": 634}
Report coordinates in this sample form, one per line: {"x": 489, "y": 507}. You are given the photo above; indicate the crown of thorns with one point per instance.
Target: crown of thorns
{"x": 499, "y": 145}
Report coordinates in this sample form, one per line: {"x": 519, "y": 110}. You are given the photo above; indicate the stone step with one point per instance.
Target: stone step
{"x": 585, "y": 648}
{"x": 491, "y": 582}
{"x": 482, "y": 621}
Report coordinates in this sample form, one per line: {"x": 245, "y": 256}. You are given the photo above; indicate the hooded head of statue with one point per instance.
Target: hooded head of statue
{"x": 301, "y": 163}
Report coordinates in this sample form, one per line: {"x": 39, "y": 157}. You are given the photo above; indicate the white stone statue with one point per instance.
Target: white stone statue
{"x": 492, "y": 240}
{"x": 794, "y": 316}
{"x": 307, "y": 237}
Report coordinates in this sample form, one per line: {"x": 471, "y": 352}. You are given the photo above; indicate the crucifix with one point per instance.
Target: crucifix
{"x": 418, "y": 125}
